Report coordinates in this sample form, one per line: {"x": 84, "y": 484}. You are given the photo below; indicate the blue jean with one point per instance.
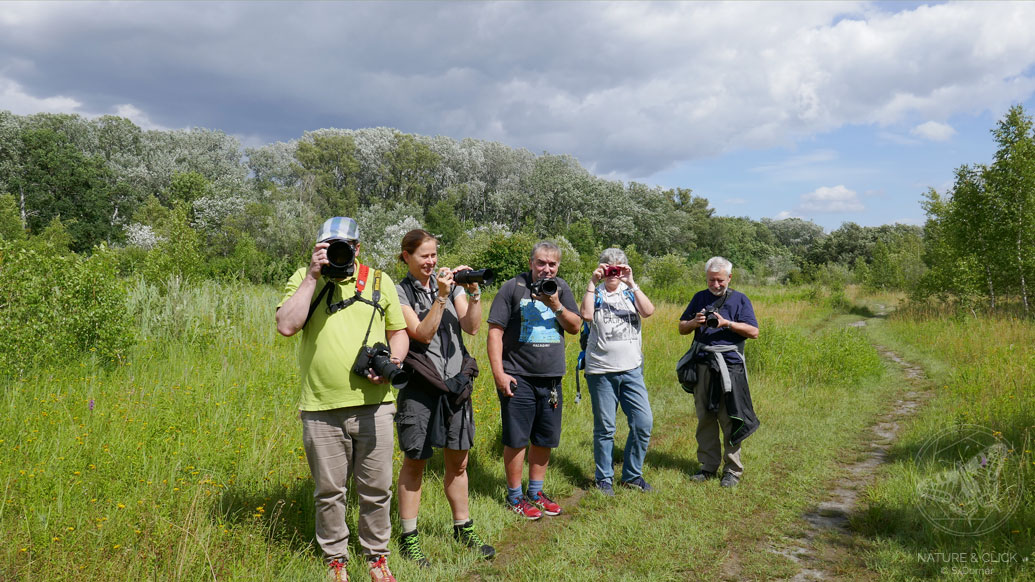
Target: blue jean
{"x": 608, "y": 391}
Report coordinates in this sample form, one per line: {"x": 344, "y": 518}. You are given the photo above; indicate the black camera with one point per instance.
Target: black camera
{"x": 547, "y": 286}
{"x": 711, "y": 316}
{"x": 468, "y": 276}
{"x": 379, "y": 359}
{"x": 341, "y": 258}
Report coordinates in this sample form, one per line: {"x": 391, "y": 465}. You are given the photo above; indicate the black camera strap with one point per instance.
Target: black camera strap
{"x": 716, "y": 306}
{"x": 361, "y": 281}
{"x": 375, "y": 299}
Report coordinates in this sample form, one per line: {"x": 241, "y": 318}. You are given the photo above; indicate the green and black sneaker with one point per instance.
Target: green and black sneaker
{"x": 409, "y": 548}
{"x": 466, "y": 535}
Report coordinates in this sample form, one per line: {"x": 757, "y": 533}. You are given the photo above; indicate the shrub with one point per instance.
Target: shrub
{"x": 56, "y": 306}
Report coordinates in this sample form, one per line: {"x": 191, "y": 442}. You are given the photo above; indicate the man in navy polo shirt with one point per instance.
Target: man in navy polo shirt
{"x": 721, "y": 319}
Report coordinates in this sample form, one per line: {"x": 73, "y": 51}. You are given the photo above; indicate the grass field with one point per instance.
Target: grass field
{"x": 185, "y": 462}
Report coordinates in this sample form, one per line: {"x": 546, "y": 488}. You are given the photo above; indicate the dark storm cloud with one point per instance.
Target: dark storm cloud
{"x": 628, "y": 88}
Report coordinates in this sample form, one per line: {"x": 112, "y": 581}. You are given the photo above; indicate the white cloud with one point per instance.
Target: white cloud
{"x": 934, "y": 131}
{"x": 629, "y": 88}
{"x": 14, "y": 99}
{"x": 136, "y": 116}
{"x": 831, "y": 199}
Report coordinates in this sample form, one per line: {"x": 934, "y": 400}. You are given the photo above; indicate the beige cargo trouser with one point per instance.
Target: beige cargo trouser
{"x": 357, "y": 441}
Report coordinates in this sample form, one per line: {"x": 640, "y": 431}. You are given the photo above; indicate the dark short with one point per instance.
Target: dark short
{"x": 413, "y": 422}
{"x": 528, "y": 416}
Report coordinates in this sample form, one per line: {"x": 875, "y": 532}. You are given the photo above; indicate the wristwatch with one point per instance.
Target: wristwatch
{"x": 559, "y": 310}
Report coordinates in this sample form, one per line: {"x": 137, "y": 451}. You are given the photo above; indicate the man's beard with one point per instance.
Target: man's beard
{"x": 718, "y": 293}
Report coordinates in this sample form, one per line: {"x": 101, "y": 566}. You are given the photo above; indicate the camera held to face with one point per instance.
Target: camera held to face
{"x": 341, "y": 258}
{"x": 711, "y": 316}
{"x": 546, "y": 286}
{"x": 612, "y": 271}
{"x": 379, "y": 359}
{"x": 481, "y": 276}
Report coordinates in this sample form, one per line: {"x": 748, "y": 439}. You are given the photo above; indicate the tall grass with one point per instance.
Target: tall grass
{"x": 185, "y": 462}
{"x": 982, "y": 371}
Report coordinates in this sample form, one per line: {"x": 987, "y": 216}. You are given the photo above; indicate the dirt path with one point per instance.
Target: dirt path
{"x": 829, "y": 519}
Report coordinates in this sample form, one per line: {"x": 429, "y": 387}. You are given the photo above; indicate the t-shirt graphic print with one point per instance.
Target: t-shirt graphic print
{"x": 538, "y": 323}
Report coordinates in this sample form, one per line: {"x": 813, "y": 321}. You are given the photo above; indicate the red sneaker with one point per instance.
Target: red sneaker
{"x": 546, "y": 504}
{"x": 337, "y": 572}
{"x": 526, "y": 509}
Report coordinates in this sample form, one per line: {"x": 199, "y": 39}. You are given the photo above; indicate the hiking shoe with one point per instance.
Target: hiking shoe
{"x": 639, "y": 484}
{"x": 546, "y": 504}
{"x": 379, "y": 571}
{"x": 605, "y": 488}
{"x": 729, "y": 480}
{"x": 466, "y": 535}
{"x": 526, "y": 509}
{"x": 702, "y": 476}
{"x": 336, "y": 571}
{"x": 409, "y": 548}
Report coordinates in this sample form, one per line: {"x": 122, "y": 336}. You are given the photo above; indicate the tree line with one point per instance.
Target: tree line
{"x": 194, "y": 203}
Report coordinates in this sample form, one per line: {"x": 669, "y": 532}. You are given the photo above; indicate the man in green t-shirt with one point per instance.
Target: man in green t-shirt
{"x": 341, "y": 306}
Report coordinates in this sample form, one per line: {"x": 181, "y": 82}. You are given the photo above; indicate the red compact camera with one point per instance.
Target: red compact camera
{"x": 612, "y": 271}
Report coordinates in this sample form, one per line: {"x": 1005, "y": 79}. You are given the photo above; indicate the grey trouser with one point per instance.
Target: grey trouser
{"x": 356, "y": 441}
{"x": 709, "y": 444}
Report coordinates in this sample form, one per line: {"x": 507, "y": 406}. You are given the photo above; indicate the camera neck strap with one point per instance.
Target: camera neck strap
{"x": 361, "y": 283}
{"x": 375, "y": 299}
{"x": 716, "y": 306}
{"x": 722, "y": 300}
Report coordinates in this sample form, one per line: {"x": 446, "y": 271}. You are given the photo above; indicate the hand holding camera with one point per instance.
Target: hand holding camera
{"x": 375, "y": 362}
{"x": 336, "y": 259}
{"x": 543, "y": 287}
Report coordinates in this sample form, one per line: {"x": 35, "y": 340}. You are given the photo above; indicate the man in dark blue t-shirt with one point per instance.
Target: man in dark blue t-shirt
{"x": 721, "y": 319}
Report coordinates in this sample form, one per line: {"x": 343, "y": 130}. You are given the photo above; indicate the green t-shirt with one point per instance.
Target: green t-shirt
{"x": 330, "y": 344}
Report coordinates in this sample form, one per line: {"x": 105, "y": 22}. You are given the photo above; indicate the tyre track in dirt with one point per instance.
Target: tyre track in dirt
{"x": 829, "y": 519}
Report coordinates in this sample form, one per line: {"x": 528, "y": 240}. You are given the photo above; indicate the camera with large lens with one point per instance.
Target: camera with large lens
{"x": 546, "y": 286}
{"x": 379, "y": 359}
{"x": 341, "y": 259}
{"x": 711, "y": 316}
{"x": 468, "y": 276}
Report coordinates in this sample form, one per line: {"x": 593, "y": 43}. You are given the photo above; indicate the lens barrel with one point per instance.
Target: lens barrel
{"x": 480, "y": 276}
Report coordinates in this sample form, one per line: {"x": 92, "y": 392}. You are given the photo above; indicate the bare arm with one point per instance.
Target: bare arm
{"x": 589, "y": 298}
{"x": 469, "y": 311}
{"x": 691, "y": 325}
{"x": 494, "y": 347}
{"x": 292, "y": 314}
{"x": 423, "y": 331}
{"x": 398, "y": 345}
{"x": 739, "y": 327}
{"x": 644, "y": 306}
{"x": 570, "y": 321}
{"x": 471, "y": 318}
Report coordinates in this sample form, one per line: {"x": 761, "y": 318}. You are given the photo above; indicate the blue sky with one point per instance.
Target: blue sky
{"x": 833, "y": 112}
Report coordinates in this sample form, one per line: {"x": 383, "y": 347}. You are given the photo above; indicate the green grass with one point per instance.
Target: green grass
{"x": 190, "y": 466}
{"x": 981, "y": 370}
